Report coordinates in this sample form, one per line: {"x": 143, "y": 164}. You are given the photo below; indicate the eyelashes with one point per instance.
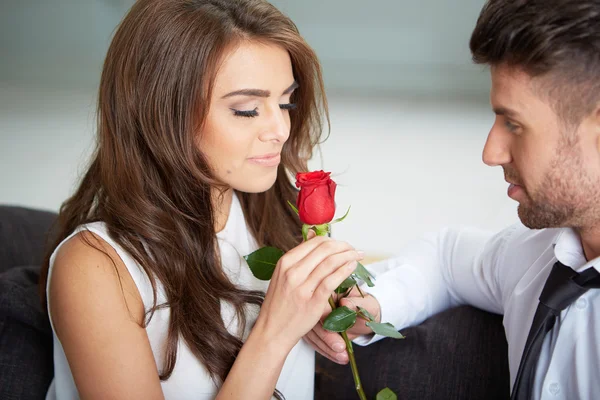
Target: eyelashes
{"x": 288, "y": 106}
{"x": 254, "y": 113}
{"x": 247, "y": 114}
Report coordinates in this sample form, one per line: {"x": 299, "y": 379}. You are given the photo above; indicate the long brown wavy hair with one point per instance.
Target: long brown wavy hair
{"x": 150, "y": 183}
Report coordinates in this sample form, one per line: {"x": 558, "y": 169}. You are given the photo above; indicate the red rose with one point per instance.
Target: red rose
{"x": 316, "y": 200}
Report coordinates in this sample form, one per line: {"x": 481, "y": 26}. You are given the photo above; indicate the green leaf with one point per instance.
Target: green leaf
{"x": 386, "y": 394}
{"x": 364, "y": 275}
{"x": 293, "y": 208}
{"x": 385, "y": 329}
{"x": 368, "y": 316}
{"x": 347, "y": 284}
{"x": 335, "y": 221}
{"x": 340, "y": 319}
{"x": 263, "y": 261}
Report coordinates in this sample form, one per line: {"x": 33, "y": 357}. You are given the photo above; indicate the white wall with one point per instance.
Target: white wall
{"x": 45, "y": 136}
{"x": 405, "y": 166}
{"x": 393, "y": 46}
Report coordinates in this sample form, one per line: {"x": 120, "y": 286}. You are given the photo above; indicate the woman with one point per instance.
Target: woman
{"x": 205, "y": 107}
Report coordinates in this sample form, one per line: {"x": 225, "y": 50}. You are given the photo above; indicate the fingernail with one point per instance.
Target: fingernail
{"x": 361, "y": 253}
{"x": 342, "y": 357}
{"x": 338, "y": 347}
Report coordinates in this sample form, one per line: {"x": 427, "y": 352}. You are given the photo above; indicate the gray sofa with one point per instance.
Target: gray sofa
{"x": 459, "y": 354}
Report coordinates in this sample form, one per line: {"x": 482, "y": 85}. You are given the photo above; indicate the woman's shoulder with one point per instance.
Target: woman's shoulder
{"x": 87, "y": 270}
{"x": 97, "y": 316}
{"x": 87, "y": 250}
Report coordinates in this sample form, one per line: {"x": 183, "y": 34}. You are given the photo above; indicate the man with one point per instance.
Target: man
{"x": 544, "y": 58}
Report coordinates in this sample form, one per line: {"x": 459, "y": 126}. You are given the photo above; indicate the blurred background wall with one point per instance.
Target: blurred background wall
{"x": 409, "y": 111}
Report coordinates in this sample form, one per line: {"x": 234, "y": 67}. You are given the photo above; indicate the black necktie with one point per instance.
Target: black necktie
{"x": 562, "y": 288}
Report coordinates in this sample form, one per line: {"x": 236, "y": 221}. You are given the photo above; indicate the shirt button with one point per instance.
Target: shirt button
{"x": 581, "y": 303}
{"x": 554, "y": 388}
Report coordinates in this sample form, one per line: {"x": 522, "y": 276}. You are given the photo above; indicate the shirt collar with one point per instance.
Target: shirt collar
{"x": 569, "y": 251}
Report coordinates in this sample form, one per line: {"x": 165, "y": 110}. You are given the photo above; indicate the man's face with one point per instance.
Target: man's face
{"x": 553, "y": 168}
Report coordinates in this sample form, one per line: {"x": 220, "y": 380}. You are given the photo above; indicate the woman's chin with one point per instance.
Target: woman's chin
{"x": 256, "y": 186}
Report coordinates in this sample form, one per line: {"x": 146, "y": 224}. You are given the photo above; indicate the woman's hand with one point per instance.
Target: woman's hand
{"x": 304, "y": 279}
{"x": 297, "y": 297}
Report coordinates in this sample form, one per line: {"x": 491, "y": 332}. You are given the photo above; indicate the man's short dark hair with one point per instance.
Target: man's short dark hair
{"x": 557, "y": 39}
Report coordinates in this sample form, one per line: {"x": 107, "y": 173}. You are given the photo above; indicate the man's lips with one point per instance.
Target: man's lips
{"x": 513, "y": 190}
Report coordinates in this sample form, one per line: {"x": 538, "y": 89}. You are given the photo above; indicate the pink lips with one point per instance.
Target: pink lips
{"x": 268, "y": 160}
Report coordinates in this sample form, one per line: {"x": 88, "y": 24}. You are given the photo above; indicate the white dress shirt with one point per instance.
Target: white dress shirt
{"x": 504, "y": 274}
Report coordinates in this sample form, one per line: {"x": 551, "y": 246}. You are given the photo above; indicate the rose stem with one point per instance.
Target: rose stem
{"x": 358, "y": 385}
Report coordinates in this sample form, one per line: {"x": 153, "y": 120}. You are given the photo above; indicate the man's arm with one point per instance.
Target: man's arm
{"x": 434, "y": 273}
{"x": 429, "y": 275}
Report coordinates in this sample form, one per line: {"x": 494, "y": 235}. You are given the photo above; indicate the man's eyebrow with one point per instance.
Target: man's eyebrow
{"x": 258, "y": 92}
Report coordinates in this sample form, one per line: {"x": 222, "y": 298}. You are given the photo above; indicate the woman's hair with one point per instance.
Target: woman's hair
{"x": 150, "y": 183}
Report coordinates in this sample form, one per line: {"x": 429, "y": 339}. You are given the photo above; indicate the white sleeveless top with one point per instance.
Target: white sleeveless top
{"x": 190, "y": 380}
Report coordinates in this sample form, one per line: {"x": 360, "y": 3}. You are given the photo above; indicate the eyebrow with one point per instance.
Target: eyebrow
{"x": 505, "y": 111}
{"x": 259, "y": 92}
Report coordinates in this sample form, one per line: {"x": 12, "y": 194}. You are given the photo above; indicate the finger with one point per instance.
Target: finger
{"x": 331, "y": 282}
{"x": 360, "y": 327}
{"x": 300, "y": 252}
{"x": 325, "y": 249}
{"x": 313, "y": 339}
{"x": 318, "y": 350}
{"x": 370, "y": 304}
{"x": 332, "y": 340}
{"x": 311, "y": 234}
{"x": 329, "y": 265}
{"x": 298, "y": 273}
{"x": 326, "y": 311}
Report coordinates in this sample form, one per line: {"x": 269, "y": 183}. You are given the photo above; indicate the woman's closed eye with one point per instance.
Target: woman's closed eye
{"x": 245, "y": 113}
{"x": 288, "y": 106}
{"x": 254, "y": 113}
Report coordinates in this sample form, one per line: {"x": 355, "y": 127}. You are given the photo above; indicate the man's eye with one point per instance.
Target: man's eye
{"x": 510, "y": 126}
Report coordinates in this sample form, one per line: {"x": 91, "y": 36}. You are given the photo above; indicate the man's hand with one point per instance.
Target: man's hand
{"x": 331, "y": 344}
{"x": 369, "y": 303}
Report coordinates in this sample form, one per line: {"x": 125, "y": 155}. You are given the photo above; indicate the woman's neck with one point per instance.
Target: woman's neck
{"x": 221, "y": 206}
